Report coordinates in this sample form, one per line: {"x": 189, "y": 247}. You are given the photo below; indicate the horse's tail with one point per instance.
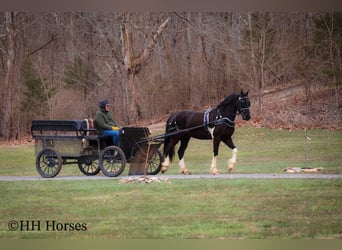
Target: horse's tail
{"x": 170, "y": 126}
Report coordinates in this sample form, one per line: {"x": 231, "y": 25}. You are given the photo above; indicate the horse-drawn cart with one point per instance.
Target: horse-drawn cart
{"x": 59, "y": 142}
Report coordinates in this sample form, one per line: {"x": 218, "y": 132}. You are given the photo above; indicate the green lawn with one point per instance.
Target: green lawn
{"x": 203, "y": 208}
{"x": 260, "y": 151}
{"x": 177, "y": 209}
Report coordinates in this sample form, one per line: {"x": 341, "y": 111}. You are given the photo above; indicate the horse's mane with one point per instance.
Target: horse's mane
{"x": 228, "y": 99}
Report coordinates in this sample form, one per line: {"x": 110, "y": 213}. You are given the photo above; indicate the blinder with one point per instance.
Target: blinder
{"x": 243, "y": 105}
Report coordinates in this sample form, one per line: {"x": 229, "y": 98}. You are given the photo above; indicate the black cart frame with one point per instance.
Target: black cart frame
{"x": 61, "y": 142}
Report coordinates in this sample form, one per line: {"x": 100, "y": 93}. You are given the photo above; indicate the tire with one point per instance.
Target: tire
{"x": 88, "y": 162}
{"x": 48, "y": 163}
{"x": 88, "y": 165}
{"x": 112, "y": 161}
{"x": 155, "y": 164}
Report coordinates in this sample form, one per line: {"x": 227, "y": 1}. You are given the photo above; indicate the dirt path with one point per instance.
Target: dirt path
{"x": 185, "y": 177}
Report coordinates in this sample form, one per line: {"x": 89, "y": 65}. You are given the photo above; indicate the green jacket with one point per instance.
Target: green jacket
{"x": 104, "y": 120}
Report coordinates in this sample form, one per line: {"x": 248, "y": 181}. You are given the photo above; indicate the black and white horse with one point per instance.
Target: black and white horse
{"x": 217, "y": 124}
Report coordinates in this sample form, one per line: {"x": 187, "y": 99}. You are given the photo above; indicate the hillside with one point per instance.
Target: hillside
{"x": 287, "y": 107}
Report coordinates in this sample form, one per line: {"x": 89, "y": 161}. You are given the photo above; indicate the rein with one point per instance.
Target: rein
{"x": 206, "y": 123}
{"x": 220, "y": 119}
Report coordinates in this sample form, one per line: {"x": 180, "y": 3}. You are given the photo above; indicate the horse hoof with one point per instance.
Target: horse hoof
{"x": 186, "y": 172}
{"x": 230, "y": 166}
{"x": 163, "y": 170}
{"x": 215, "y": 171}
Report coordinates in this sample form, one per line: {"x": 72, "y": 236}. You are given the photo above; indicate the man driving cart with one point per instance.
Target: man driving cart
{"x": 105, "y": 122}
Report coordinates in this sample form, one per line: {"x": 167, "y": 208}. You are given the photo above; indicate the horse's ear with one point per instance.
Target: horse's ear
{"x": 244, "y": 93}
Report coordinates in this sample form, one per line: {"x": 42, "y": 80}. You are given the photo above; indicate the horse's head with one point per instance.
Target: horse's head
{"x": 243, "y": 105}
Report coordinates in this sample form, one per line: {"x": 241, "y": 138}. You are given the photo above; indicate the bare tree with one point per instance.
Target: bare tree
{"x": 8, "y": 88}
{"x": 133, "y": 65}
{"x": 260, "y": 36}
{"x": 149, "y": 70}
{"x": 328, "y": 40}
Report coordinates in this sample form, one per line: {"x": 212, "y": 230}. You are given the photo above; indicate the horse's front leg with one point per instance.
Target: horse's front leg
{"x": 213, "y": 167}
{"x": 231, "y": 161}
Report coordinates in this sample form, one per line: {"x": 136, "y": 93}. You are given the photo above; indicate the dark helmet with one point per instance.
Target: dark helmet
{"x": 103, "y": 103}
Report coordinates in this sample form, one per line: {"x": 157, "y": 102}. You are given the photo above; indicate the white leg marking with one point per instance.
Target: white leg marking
{"x": 165, "y": 164}
{"x": 213, "y": 168}
{"x": 181, "y": 164}
{"x": 211, "y": 131}
{"x": 182, "y": 167}
{"x": 232, "y": 160}
{"x": 234, "y": 155}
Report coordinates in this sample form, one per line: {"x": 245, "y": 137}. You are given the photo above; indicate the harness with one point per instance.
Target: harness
{"x": 220, "y": 120}
{"x": 206, "y": 119}
{"x": 223, "y": 120}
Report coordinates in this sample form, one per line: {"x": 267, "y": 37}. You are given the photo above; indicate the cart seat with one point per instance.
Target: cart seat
{"x": 89, "y": 127}
{"x": 93, "y": 134}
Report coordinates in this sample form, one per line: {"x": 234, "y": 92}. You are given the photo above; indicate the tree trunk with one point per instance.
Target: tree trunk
{"x": 308, "y": 96}
{"x": 256, "y": 79}
{"x": 9, "y": 77}
{"x": 133, "y": 66}
{"x": 262, "y": 69}
{"x": 330, "y": 31}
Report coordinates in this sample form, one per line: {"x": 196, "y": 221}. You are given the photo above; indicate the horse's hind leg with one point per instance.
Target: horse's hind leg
{"x": 169, "y": 155}
{"x": 165, "y": 165}
{"x": 184, "y": 144}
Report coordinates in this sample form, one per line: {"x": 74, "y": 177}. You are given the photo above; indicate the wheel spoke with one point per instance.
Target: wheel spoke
{"x": 48, "y": 162}
{"x": 88, "y": 162}
{"x": 112, "y": 161}
{"x": 154, "y": 165}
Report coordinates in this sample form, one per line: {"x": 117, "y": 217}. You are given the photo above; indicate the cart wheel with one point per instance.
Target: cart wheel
{"x": 88, "y": 162}
{"x": 48, "y": 163}
{"x": 155, "y": 164}
{"x": 88, "y": 165}
{"x": 112, "y": 161}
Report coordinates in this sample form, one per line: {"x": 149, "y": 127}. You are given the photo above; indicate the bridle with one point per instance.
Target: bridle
{"x": 240, "y": 110}
{"x": 240, "y": 101}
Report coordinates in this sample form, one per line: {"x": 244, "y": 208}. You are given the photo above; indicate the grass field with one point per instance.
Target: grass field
{"x": 260, "y": 151}
{"x": 176, "y": 209}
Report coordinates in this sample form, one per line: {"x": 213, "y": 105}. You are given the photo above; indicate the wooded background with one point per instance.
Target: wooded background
{"x": 148, "y": 64}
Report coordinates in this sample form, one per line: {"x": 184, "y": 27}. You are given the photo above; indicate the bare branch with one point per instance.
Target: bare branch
{"x": 52, "y": 39}
{"x": 136, "y": 64}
